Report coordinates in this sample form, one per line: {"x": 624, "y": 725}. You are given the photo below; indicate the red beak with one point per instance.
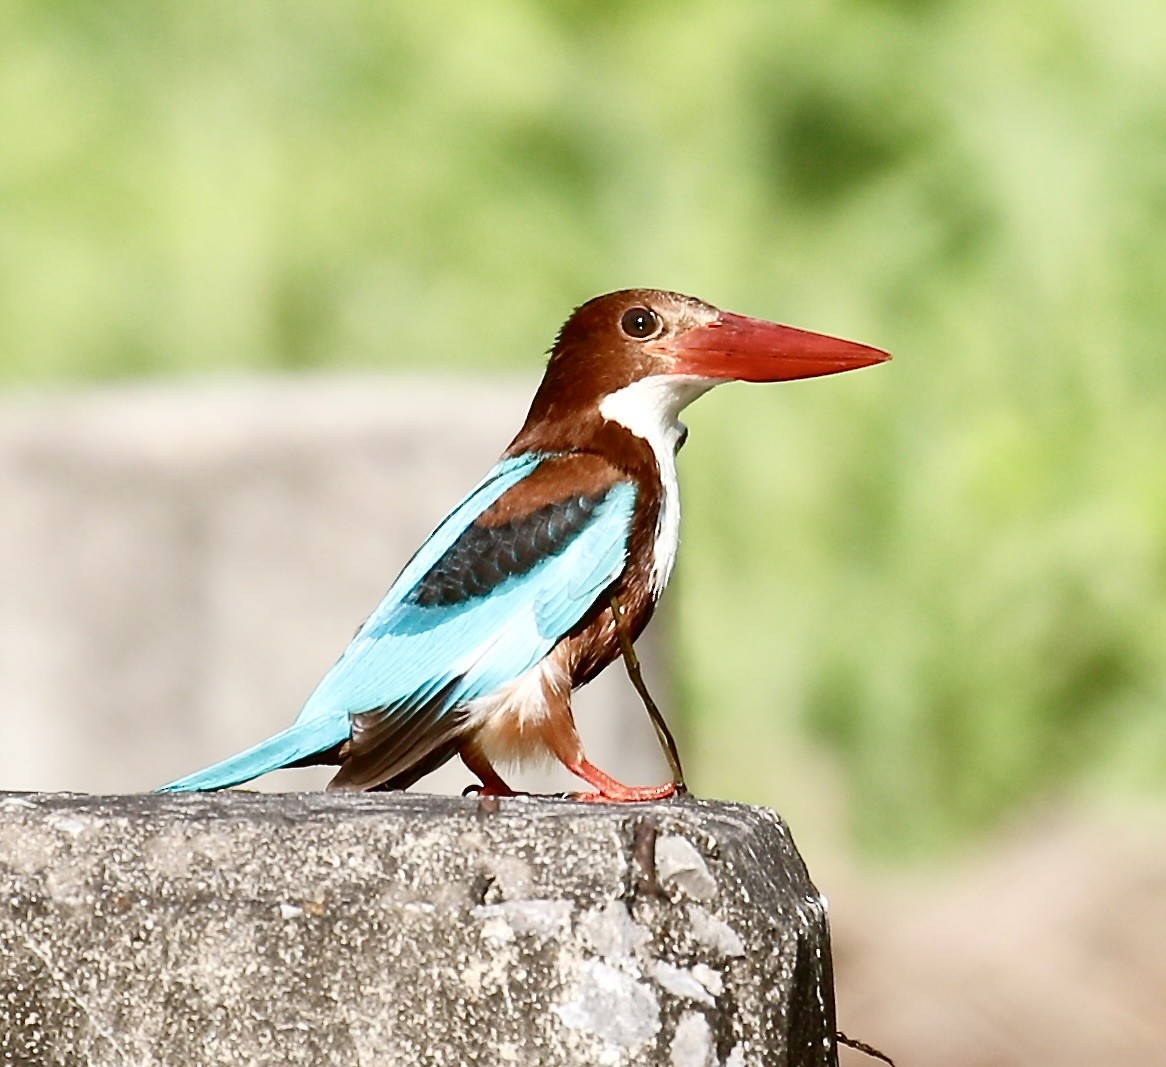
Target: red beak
{"x": 738, "y": 348}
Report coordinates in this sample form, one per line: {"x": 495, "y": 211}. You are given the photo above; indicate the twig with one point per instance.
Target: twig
{"x": 632, "y": 662}
{"x": 863, "y": 1047}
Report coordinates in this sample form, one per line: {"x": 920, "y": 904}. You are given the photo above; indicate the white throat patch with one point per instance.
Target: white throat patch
{"x": 650, "y": 408}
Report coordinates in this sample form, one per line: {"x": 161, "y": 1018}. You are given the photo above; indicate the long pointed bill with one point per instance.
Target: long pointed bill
{"x": 738, "y": 348}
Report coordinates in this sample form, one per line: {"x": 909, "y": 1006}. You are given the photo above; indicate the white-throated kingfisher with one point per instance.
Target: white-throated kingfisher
{"x": 525, "y": 589}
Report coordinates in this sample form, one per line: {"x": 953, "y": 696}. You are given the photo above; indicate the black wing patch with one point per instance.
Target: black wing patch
{"x": 484, "y": 557}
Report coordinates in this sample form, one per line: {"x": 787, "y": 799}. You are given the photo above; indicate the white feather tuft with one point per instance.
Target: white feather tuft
{"x": 650, "y": 409}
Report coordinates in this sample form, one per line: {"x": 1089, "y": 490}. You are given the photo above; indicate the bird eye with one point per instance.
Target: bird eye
{"x": 640, "y": 322}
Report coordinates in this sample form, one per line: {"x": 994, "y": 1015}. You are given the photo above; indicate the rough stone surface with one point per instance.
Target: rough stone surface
{"x": 315, "y": 929}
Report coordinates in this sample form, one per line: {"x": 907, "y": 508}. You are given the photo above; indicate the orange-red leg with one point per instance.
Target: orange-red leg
{"x": 555, "y": 730}
{"x": 492, "y": 784}
{"x": 564, "y": 742}
{"x": 609, "y": 789}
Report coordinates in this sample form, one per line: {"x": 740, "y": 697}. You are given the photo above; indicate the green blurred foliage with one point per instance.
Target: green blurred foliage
{"x": 941, "y": 583}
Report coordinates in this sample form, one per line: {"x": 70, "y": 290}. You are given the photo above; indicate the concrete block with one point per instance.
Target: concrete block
{"x": 183, "y": 562}
{"x": 240, "y": 928}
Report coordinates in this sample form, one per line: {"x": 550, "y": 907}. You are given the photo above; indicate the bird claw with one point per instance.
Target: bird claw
{"x": 477, "y": 789}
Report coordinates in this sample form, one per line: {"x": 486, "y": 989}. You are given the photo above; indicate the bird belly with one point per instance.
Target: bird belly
{"x": 529, "y": 719}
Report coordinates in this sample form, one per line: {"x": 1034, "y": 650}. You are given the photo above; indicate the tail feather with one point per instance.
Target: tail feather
{"x": 281, "y": 750}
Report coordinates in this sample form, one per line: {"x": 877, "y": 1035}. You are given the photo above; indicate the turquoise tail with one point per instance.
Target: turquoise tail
{"x": 287, "y": 747}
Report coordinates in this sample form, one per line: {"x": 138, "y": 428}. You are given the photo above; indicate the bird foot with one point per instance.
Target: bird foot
{"x": 608, "y": 789}
{"x": 628, "y": 794}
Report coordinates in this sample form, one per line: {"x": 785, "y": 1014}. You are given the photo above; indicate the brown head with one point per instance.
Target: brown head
{"x": 645, "y": 354}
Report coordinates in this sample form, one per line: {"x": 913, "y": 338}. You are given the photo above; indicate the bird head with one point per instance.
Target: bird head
{"x": 650, "y": 349}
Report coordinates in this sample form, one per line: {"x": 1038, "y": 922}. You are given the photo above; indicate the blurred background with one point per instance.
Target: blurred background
{"x": 920, "y": 610}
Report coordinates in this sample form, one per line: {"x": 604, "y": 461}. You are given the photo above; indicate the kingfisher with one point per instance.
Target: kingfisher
{"x": 550, "y": 567}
